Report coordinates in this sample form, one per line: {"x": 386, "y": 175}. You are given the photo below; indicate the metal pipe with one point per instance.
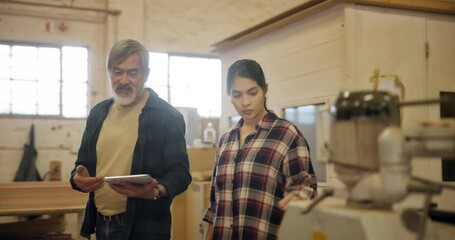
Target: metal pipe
{"x": 423, "y": 223}
{"x": 424, "y": 102}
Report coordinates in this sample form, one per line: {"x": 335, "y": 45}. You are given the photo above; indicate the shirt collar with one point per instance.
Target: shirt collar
{"x": 266, "y": 122}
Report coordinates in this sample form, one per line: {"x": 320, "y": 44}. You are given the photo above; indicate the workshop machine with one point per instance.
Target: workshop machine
{"x": 371, "y": 155}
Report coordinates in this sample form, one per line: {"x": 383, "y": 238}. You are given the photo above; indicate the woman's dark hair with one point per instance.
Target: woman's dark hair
{"x": 246, "y": 68}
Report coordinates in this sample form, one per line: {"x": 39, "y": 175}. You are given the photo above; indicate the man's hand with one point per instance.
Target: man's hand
{"x": 86, "y": 183}
{"x": 146, "y": 191}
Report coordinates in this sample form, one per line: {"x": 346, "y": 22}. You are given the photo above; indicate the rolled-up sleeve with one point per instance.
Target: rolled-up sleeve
{"x": 298, "y": 169}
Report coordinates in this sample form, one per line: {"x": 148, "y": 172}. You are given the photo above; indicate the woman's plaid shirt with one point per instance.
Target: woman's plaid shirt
{"x": 248, "y": 181}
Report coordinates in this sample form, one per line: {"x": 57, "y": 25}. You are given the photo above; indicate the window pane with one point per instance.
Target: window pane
{"x": 212, "y": 76}
{"x": 162, "y": 92}
{"x": 183, "y": 97}
{"x": 24, "y": 62}
{"x": 211, "y": 108}
{"x": 5, "y": 60}
{"x": 5, "y": 108}
{"x": 5, "y": 96}
{"x": 195, "y": 80}
{"x": 74, "y": 102}
{"x": 158, "y": 70}
{"x": 49, "y": 109}
{"x": 49, "y": 64}
{"x": 74, "y": 94}
{"x": 179, "y": 71}
{"x": 74, "y": 111}
{"x": 5, "y": 91}
{"x": 49, "y": 98}
{"x": 75, "y": 64}
{"x": 24, "y": 95}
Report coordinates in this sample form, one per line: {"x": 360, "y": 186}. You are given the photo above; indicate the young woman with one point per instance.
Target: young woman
{"x": 258, "y": 163}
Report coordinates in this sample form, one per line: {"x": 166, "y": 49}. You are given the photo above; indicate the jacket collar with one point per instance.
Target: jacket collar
{"x": 152, "y": 101}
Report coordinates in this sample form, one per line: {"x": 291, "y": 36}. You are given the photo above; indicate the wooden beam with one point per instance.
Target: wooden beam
{"x": 288, "y": 17}
{"x": 313, "y": 7}
{"x": 431, "y": 6}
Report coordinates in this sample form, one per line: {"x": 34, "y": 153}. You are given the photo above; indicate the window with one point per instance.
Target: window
{"x": 187, "y": 82}
{"x": 43, "y": 80}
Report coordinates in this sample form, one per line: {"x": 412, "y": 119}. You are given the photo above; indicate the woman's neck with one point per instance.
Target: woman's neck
{"x": 251, "y": 123}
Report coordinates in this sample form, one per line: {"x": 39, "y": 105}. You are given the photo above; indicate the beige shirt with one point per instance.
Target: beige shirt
{"x": 114, "y": 151}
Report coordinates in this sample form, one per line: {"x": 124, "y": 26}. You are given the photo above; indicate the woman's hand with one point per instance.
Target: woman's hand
{"x": 209, "y": 233}
{"x": 283, "y": 203}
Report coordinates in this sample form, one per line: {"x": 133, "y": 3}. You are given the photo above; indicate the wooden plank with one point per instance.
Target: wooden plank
{"x": 306, "y": 61}
{"x": 323, "y": 83}
{"x": 36, "y": 198}
{"x": 21, "y": 198}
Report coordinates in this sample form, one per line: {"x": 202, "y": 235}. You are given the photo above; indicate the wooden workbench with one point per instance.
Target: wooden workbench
{"x": 51, "y": 198}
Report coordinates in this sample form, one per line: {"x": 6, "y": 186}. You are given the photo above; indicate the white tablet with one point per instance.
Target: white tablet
{"x": 136, "y": 179}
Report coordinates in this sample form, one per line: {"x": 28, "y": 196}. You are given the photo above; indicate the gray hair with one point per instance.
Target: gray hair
{"x": 125, "y": 48}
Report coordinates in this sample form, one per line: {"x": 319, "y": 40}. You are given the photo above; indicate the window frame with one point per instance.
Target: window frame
{"x": 60, "y": 81}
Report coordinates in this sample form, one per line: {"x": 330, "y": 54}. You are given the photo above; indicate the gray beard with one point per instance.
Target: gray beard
{"x": 125, "y": 101}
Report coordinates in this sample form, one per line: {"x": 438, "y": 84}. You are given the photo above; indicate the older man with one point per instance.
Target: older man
{"x": 135, "y": 132}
